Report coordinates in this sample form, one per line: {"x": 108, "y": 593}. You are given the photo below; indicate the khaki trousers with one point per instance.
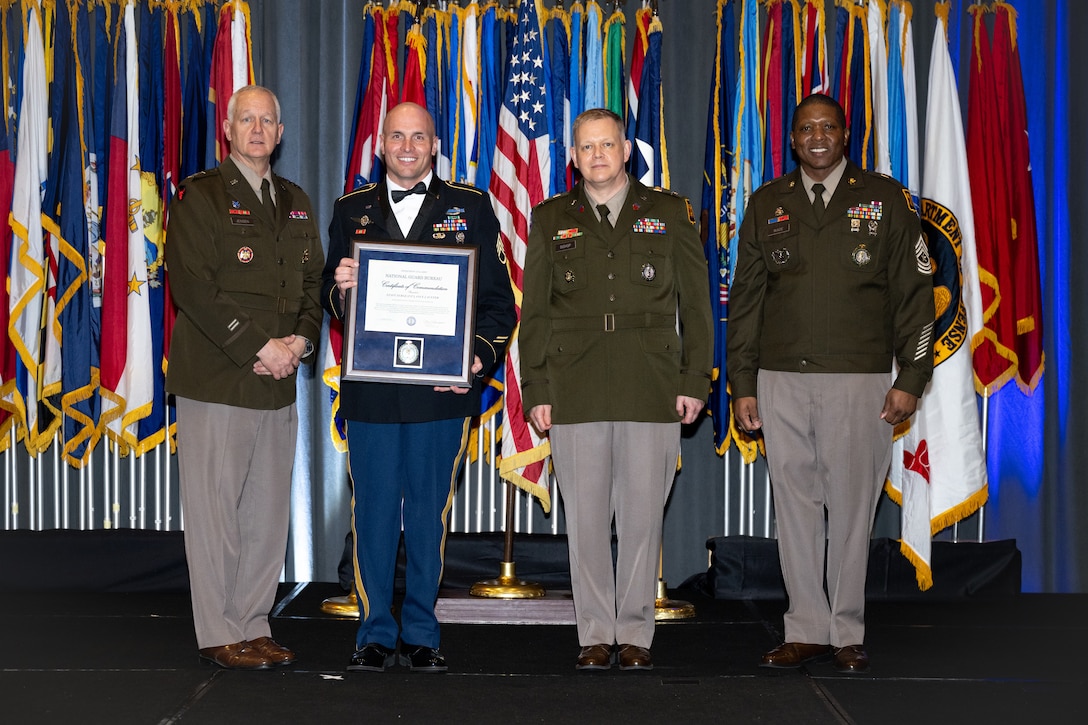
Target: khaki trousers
{"x": 235, "y": 469}
{"x": 622, "y": 471}
{"x": 828, "y": 453}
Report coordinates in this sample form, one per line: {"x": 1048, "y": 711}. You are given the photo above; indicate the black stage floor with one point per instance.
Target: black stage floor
{"x": 131, "y": 658}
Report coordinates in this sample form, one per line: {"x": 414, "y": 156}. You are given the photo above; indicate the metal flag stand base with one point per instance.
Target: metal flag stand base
{"x": 664, "y": 608}
{"x": 507, "y": 586}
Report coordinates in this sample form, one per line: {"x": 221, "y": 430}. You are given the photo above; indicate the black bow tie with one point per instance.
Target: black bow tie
{"x": 419, "y": 188}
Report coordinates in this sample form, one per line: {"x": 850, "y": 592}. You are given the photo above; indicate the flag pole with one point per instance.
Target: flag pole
{"x": 507, "y": 585}
{"x": 665, "y": 608}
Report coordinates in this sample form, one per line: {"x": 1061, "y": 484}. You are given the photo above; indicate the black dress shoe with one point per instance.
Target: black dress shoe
{"x": 372, "y": 658}
{"x": 422, "y": 659}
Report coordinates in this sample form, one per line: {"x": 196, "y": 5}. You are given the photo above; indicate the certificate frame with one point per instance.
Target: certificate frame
{"x": 411, "y": 317}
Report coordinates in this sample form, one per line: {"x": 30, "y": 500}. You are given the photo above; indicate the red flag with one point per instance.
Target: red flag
{"x": 772, "y": 92}
{"x": 7, "y": 351}
{"x": 171, "y": 161}
{"x": 415, "y": 67}
{"x": 987, "y": 160}
{"x": 363, "y": 165}
{"x": 222, "y": 80}
{"x": 1027, "y": 304}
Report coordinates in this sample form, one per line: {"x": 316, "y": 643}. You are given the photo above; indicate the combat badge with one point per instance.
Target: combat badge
{"x": 649, "y": 273}
{"x": 861, "y": 255}
{"x": 245, "y": 255}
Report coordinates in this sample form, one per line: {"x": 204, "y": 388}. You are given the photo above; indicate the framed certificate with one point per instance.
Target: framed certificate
{"x": 411, "y": 319}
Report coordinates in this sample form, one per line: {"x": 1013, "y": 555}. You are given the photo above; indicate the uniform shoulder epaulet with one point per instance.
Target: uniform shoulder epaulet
{"x": 290, "y": 183}
{"x": 360, "y": 190}
{"x": 886, "y": 177}
{"x": 465, "y": 187}
{"x": 663, "y": 190}
{"x": 552, "y": 198}
{"x": 205, "y": 174}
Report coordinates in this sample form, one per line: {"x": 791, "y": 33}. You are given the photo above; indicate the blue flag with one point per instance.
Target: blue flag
{"x": 490, "y": 93}
{"x": 352, "y": 180}
{"x": 560, "y": 120}
{"x": 194, "y": 115}
{"x": 648, "y": 162}
{"x": 714, "y": 222}
{"x": 63, "y": 218}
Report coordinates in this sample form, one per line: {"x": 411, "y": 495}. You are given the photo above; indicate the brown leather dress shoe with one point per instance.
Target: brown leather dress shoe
{"x": 273, "y": 651}
{"x": 851, "y": 659}
{"x": 794, "y": 654}
{"x": 633, "y": 657}
{"x": 237, "y": 656}
{"x": 594, "y": 657}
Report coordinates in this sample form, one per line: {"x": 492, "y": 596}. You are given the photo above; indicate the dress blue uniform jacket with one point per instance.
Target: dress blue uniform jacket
{"x": 450, "y": 214}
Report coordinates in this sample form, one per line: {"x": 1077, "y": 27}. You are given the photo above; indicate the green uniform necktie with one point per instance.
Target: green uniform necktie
{"x": 818, "y": 200}
{"x": 602, "y": 209}
{"x": 266, "y": 198}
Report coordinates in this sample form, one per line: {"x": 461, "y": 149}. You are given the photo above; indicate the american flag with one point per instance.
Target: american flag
{"x": 520, "y": 180}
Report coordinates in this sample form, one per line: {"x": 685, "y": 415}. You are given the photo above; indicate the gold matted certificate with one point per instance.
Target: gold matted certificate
{"x": 411, "y": 317}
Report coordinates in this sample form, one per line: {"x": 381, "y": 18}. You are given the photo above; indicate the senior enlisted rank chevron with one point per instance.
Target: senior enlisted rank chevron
{"x": 833, "y": 282}
{"x": 616, "y": 353}
{"x": 406, "y": 442}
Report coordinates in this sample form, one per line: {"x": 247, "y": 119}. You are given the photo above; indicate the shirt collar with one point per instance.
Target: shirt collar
{"x": 830, "y": 183}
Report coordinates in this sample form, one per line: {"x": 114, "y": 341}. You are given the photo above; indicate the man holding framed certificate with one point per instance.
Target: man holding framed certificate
{"x": 415, "y": 272}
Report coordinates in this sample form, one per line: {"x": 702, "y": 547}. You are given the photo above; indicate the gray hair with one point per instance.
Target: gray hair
{"x": 245, "y": 89}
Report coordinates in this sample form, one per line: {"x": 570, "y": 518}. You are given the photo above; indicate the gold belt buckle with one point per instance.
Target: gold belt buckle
{"x": 609, "y": 322}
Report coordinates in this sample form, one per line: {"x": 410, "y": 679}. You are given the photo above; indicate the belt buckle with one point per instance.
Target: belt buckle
{"x": 609, "y": 322}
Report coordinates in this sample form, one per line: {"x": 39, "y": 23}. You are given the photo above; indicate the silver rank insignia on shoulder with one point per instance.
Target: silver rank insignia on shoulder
{"x": 568, "y": 276}
{"x": 780, "y": 256}
{"x": 649, "y": 273}
{"x": 861, "y": 255}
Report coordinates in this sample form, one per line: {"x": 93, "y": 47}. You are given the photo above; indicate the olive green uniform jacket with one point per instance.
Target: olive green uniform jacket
{"x": 846, "y": 294}
{"x": 239, "y": 279}
{"x": 599, "y": 317}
